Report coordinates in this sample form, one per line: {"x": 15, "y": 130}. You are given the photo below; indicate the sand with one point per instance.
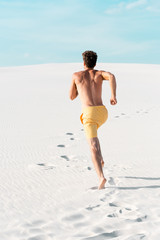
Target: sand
{"x": 48, "y": 185}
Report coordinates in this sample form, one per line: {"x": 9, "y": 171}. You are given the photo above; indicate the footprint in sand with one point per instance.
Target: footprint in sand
{"x": 93, "y": 188}
{"x": 89, "y": 168}
{"x": 124, "y": 210}
{"x": 111, "y": 181}
{"x": 69, "y": 133}
{"x": 113, "y": 215}
{"x": 138, "y": 111}
{"x": 65, "y": 157}
{"x": 73, "y": 217}
{"x": 117, "y": 116}
{"x": 105, "y": 235}
{"x": 90, "y": 208}
{"x": 71, "y": 138}
{"x": 137, "y": 237}
{"x": 141, "y": 111}
{"x": 139, "y": 219}
{"x": 113, "y": 204}
{"x": 61, "y": 145}
{"x": 128, "y": 209}
{"x": 46, "y": 166}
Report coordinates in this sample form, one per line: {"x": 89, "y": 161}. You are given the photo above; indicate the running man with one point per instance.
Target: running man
{"x": 88, "y": 84}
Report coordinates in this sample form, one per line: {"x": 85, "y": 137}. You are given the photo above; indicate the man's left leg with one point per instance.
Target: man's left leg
{"x": 102, "y": 161}
{"x": 97, "y": 158}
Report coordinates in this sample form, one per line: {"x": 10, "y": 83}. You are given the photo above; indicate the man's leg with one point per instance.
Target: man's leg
{"x": 102, "y": 162}
{"x": 97, "y": 158}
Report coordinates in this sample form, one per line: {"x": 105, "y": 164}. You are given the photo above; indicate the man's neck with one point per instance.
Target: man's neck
{"x": 86, "y": 68}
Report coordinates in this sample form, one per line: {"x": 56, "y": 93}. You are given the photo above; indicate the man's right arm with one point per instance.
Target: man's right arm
{"x": 73, "y": 93}
{"x": 112, "y": 80}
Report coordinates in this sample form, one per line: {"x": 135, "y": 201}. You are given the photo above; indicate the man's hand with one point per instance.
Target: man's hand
{"x": 113, "y": 100}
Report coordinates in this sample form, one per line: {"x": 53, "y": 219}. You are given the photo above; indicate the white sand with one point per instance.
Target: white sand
{"x": 48, "y": 186}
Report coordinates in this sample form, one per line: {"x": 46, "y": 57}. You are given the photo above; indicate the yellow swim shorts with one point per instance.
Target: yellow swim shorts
{"x": 92, "y": 118}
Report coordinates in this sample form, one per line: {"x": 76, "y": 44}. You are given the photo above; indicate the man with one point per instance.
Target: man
{"x": 88, "y": 84}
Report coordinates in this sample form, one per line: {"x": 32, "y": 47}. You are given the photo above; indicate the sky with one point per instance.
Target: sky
{"x": 58, "y": 31}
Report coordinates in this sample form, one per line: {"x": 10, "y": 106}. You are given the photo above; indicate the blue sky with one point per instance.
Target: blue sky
{"x": 35, "y": 31}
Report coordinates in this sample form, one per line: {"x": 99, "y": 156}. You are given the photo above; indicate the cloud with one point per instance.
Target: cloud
{"x": 153, "y": 9}
{"x": 136, "y": 4}
{"x": 123, "y": 6}
{"x": 116, "y": 8}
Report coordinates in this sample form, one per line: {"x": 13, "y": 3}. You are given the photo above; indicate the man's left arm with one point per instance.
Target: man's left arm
{"x": 73, "y": 93}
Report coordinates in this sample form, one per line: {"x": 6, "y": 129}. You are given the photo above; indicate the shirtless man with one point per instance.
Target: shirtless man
{"x": 88, "y": 84}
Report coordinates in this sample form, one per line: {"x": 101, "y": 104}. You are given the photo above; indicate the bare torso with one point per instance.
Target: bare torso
{"x": 89, "y": 87}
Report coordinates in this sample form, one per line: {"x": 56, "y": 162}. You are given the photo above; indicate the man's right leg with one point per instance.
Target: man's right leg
{"x": 97, "y": 158}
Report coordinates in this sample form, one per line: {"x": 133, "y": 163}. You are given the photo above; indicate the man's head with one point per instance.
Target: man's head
{"x": 89, "y": 58}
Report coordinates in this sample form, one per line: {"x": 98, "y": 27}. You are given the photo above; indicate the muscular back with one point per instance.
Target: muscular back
{"x": 89, "y": 87}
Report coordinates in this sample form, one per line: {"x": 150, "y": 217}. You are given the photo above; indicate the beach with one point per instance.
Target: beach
{"x": 48, "y": 185}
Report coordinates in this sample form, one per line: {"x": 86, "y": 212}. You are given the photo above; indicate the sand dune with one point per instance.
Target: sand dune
{"x": 48, "y": 185}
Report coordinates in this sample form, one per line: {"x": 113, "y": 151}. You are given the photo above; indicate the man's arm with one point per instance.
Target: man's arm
{"x": 73, "y": 93}
{"x": 112, "y": 80}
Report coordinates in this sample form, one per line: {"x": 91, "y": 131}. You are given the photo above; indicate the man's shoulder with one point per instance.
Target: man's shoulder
{"x": 78, "y": 73}
{"x": 100, "y": 71}
{"x": 81, "y": 72}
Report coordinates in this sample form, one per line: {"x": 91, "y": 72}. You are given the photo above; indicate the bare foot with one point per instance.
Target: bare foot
{"x": 102, "y": 183}
{"x": 102, "y": 163}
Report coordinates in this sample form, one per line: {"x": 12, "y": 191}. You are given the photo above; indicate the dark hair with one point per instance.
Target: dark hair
{"x": 89, "y": 58}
